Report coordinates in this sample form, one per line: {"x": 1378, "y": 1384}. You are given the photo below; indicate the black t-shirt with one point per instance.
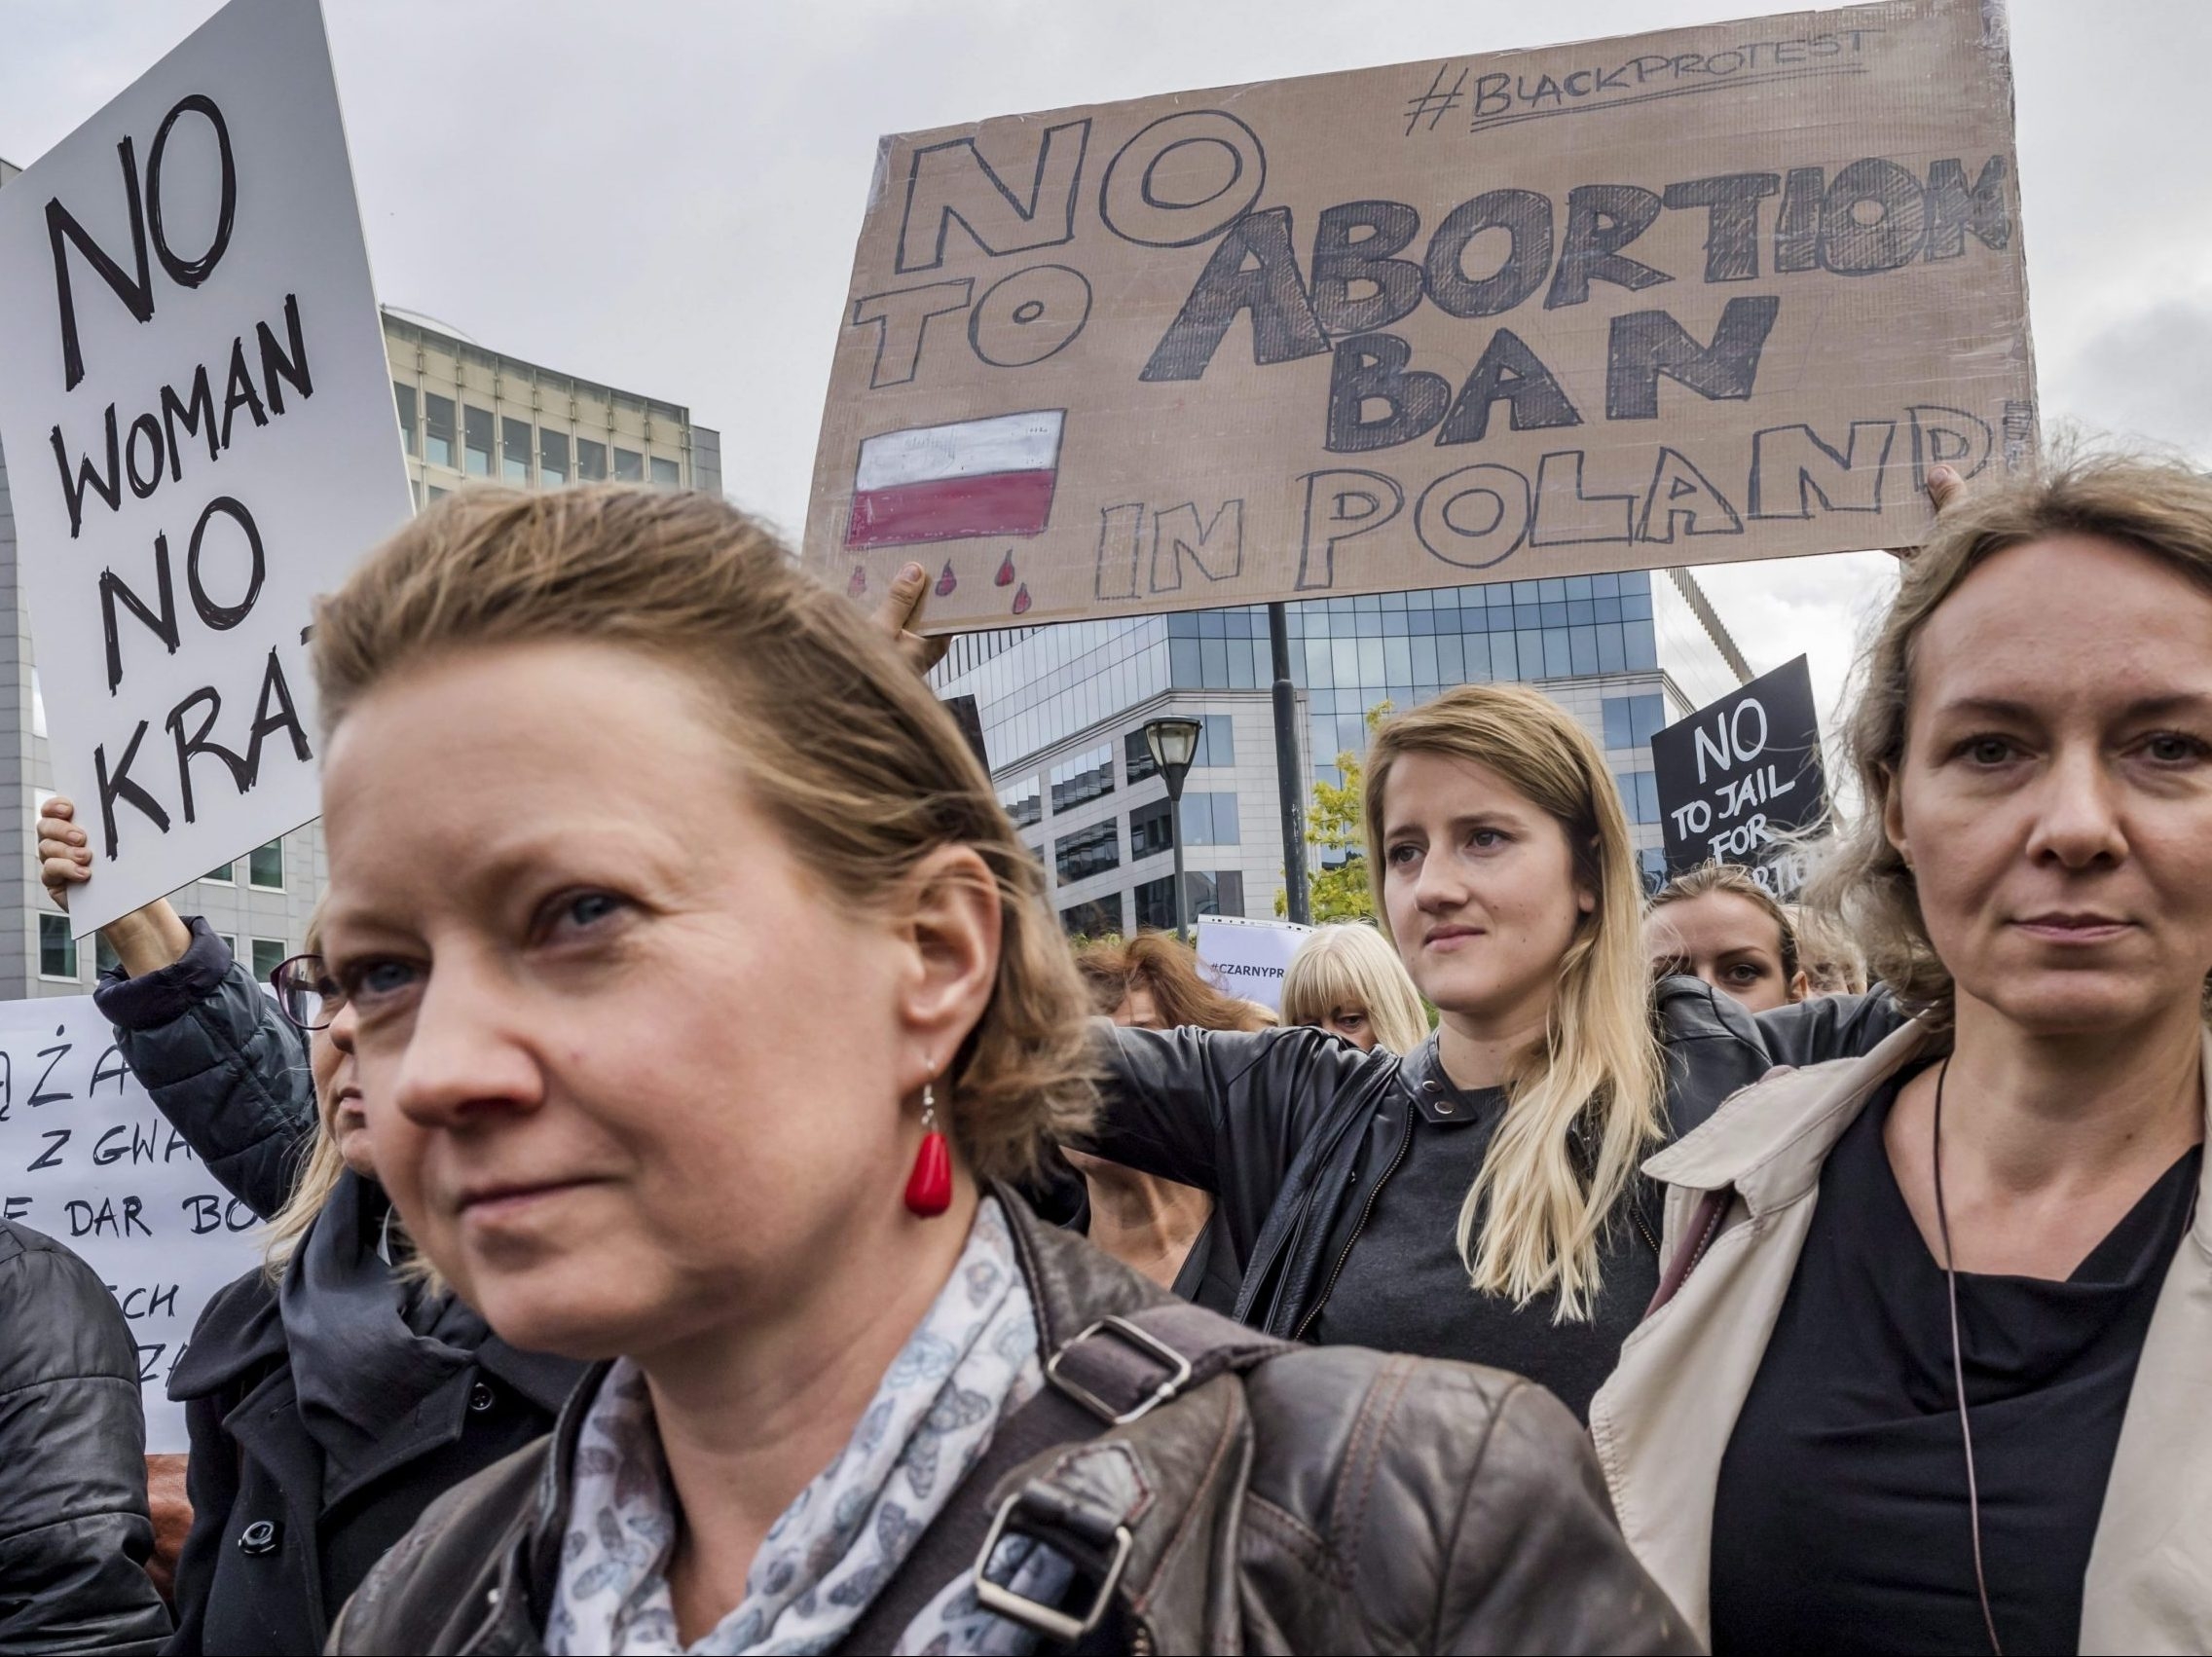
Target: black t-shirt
{"x": 1404, "y": 1287}
{"x": 1840, "y": 1520}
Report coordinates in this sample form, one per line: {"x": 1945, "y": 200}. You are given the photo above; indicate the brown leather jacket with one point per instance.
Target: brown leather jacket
{"x": 1320, "y": 1499}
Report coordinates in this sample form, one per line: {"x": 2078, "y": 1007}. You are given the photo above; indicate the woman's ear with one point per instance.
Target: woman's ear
{"x": 1893, "y": 816}
{"x": 949, "y": 922}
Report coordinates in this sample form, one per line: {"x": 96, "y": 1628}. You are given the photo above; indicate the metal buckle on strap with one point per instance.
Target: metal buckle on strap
{"x": 1178, "y": 1368}
{"x": 1049, "y": 1621}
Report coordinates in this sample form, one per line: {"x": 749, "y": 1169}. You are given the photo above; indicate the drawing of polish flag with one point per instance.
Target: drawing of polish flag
{"x": 973, "y": 477}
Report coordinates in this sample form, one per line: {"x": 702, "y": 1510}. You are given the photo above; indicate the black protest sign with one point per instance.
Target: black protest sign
{"x": 1741, "y": 774}
{"x": 201, "y": 432}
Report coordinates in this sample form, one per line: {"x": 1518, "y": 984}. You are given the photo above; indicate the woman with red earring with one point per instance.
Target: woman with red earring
{"x": 849, "y": 1394}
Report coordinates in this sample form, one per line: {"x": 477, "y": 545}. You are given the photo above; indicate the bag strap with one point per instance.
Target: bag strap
{"x": 1116, "y": 1372}
{"x": 1697, "y": 1236}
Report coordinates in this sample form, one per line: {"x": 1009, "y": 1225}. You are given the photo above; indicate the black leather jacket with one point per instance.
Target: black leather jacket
{"x": 1293, "y": 1129}
{"x": 1326, "y": 1499}
{"x": 74, "y": 1533}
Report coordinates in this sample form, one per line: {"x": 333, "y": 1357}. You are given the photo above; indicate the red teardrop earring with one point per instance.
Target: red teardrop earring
{"x": 929, "y": 1188}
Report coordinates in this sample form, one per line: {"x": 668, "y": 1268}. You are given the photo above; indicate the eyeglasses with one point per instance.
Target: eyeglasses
{"x": 306, "y": 992}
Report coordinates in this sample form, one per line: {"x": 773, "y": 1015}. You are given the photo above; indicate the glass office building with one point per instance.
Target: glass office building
{"x": 1063, "y": 710}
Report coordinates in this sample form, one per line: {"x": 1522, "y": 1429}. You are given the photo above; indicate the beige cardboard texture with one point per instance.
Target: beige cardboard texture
{"x": 1710, "y": 294}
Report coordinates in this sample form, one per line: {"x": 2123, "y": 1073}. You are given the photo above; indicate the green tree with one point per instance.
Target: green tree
{"x": 1336, "y": 833}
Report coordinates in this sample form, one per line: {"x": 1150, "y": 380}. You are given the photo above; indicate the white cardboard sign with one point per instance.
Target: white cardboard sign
{"x": 1248, "y": 958}
{"x": 200, "y": 433}
{"x": 86, "y": 1159}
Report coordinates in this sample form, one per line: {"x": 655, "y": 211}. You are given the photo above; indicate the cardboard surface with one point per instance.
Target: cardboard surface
{"x": 1741, "y": 773}
{"x": 1715, "y": 293}
{"x": 86, "y": 1159}
{"x": 1247, "y": 958}
{"x": 200, "y": 438}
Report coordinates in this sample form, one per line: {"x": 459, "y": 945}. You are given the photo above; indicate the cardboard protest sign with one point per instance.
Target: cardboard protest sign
{"x": 200, "y": 438}
{"x": 1247, "y": 959}
{"x": 86, "y": 1159}
{"x": 1739, "y": 774}
{"x": 1716, "y": 293}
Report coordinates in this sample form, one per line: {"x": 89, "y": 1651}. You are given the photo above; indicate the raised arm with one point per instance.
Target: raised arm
{"x": 221, "y": 1064}
{"x": 1213, "y": 1108}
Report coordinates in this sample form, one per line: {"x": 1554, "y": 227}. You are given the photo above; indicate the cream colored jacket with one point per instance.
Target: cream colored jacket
{"x": 1664, "y": 1419}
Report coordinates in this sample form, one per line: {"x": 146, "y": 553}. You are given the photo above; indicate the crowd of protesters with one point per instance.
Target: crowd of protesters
{"x": 742, "y": 1224}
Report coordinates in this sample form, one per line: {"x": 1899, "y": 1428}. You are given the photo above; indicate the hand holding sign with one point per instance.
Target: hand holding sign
{"x": 144, "y": 941}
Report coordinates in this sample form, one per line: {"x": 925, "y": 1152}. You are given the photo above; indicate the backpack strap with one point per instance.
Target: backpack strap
{"x": 1116, "y": 1372}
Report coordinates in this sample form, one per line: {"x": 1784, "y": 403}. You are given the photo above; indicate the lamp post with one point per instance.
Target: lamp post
{"x": 1175, "y": 744}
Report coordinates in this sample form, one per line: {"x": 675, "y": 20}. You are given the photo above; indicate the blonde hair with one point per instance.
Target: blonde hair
{"x": 860, "y": 768}
{"x": 2162, "y": 508}
{"x": 1534, "y": 1218}
{"x": 319, "y": 1169}
{"x": 1735, "y": 880}
{"x": 1352, "y": 965}
{"x": 1832, "y": 962}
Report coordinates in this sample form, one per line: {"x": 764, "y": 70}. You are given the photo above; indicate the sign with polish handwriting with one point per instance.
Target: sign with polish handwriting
{"x": 200, "y": 438}
{"x": 1715, "y": 293}
{"x": 86, "y": 1159}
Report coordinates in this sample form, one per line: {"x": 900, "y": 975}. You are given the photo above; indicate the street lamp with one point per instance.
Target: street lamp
{"x": 1175, "y": 744}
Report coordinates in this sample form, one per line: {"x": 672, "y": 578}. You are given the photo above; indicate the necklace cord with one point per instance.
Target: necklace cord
{"x": 1958, "y": 1362}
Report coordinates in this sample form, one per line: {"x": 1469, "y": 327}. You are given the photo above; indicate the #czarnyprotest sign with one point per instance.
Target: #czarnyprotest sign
{"x": 1740, "y": 775}
{"x": 200, "y": 433}
{"x": 1715, "y": 293}
{"x": 86, "y": 1159}
{"x": 1247, "y": 958}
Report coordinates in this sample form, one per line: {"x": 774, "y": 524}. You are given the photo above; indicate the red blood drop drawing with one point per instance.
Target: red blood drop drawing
{"x": 1006, "y": 573}
{"x": 946, "y": 581}
{"x": 859, "y": 583}
{"x": 1022, "y": 600}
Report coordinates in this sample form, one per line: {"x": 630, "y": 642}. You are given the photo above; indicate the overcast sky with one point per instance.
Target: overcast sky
{"x": 664, "y": 194}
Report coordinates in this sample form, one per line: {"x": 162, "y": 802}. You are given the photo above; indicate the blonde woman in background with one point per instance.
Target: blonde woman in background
{"x": 1347, "y": 980}
{"x": 1719, "y": 925}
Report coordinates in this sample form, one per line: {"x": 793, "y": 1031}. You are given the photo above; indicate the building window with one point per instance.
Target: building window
{"x": 224, "y": 873}
{"x": 1630, "y": 721}
{"x": 1136, "y": 753}
{"x": 476, "y": 441}
{"x": 229, "y": 943}
{"x": 437, "y": 430}
{"x": 404, "y": 397}
{"x": 1209, "y": 819}
{"x": 265, "y": 866}
{"x": 437, "y": 495}
{"x": 514, "y": 449}
{"x": 268, "y": 955}
{"x": 667, "y": 474}
{"x": 1217, "y": 742}
{"x": 1024, "y": 803}
{"x": 1087, "y": 852}
{"x": 629, "y": 466}
{"x": 38, "y": 706}
{"x": 552, "y": 456}
{"x": 1152, "y": 830}
{"x": 590, "y": 461}
{"x": 1101, "y": 917}
{"x": 1086, "y": 777}
{"x": 56, "y": 949}
{"x": 1640, "y": 796}
{"x": 1204, "y": 894}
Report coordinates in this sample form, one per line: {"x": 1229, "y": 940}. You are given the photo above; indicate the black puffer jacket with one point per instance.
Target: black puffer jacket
{"x": 74, "y": 1531}
{"x": 1287, "y": 1127}
{"x": 226, "y": 1068}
